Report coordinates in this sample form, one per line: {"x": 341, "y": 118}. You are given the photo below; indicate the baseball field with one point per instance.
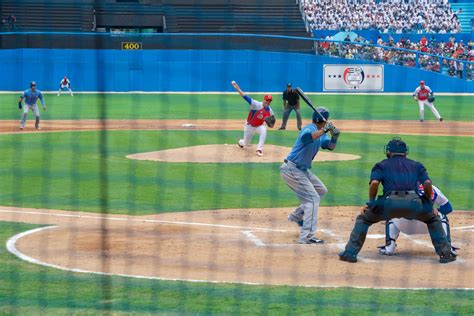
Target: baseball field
{"x": 144, "y": 203}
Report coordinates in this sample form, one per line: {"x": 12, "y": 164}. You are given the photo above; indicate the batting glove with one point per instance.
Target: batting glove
{"x": 328, "y": 127}
{"x": 335, "y": 131}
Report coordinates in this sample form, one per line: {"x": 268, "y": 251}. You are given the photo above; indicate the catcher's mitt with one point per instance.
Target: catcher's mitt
{"x": 431, "y": 99}
{"x": 270, "y": 120}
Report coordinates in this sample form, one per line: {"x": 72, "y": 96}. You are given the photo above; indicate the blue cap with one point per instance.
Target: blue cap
{"x": 319, "y": 114}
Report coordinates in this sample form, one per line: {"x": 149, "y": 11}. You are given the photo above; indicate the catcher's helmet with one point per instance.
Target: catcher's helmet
{"x": 319, "y": 114}
{"x": 396, "y": 146}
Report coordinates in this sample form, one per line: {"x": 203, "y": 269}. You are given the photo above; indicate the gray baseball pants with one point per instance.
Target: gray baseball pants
{"x": 286, "y": 115}
{"x": 309, "y": 189}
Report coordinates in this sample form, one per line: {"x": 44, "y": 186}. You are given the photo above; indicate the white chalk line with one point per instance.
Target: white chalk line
{"x": 341, "y": 245}
{"x": 142, "y": 220}
{"x": 248, "y": 92}
{"x": 254, "y": 239}
{"x": 462, "y": 227}
{"x": 11, "y": 247}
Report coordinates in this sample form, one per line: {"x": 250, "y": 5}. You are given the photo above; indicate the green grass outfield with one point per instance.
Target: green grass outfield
{"x": 232, "y": 106}
{"x": 30, "y": 289}
{"x": 88, "y": 171}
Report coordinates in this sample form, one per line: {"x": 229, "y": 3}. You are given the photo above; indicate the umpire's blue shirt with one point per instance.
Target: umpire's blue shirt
{"x": 399, "y": 173}
{"x": 305, "y": 148}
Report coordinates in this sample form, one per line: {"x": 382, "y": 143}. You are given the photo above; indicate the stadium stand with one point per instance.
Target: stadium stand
{"x": 129, "y": 15}
{"x": 194, "y": 16}
{"x": 465, "y": 13}
{"x": 233, "y": 16}
{"x": 388, "y": 16}
{"x": 52, "y": 15}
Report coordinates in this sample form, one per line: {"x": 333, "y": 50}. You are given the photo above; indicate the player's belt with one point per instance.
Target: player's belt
{"x": 294, "y": 164}
{"x": 252, "y": 125}
{"x": 401, "y": 193}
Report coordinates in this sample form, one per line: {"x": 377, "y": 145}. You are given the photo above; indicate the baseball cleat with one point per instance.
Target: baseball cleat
{"x": 388, "y": 250}
{"x": 259, "y": 153}
{"x": 22, "y": 127}
{"x": 294, "y": 219}
{"x": 454, "y": 250}
{"x": 421, "y": 120}
{"x": 348, "y": 257}
{"x": 37, "y": 127}
{"x": 310, "y": 241}
{"x": 440, "y": 119}
{"x": 447, "y": 258}
{"x": 281, "y": 128}
{"x": 238, "y": 144}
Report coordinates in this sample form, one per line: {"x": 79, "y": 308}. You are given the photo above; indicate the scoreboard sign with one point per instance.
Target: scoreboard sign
{"x": 353, "y": 78}
{"x": 131, "y": 45}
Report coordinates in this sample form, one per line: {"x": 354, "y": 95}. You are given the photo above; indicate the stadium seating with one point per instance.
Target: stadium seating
{"x": 51, "y": 15}
{"x": 129, "y": 15}
{"x": 265, "y": 17}
{"x": 466, "y": 15}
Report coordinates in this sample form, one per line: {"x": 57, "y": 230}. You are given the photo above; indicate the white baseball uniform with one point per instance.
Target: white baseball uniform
{"x": 65, "y": 84}
{"x": 421, "y": 96}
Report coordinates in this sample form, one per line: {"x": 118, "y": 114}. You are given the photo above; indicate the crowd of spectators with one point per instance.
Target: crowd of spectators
{"x": 8, "y": 23}
{"x": 394, "y": 16}
{"x": 426, "y": 48}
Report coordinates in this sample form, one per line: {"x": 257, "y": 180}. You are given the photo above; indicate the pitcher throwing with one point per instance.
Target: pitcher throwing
{"x": 260, "y": 113}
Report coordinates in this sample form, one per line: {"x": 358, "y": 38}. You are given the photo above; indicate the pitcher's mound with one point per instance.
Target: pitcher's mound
{"x": 231, "y": 154}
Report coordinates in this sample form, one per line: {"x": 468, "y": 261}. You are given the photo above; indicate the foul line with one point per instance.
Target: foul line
{"x": 11, "y": 247}
{"x": 143, "y": 220}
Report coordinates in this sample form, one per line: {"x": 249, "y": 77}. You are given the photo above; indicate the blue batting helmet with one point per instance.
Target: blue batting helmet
{"x": 320, "y": 113}
{"x": 396, "y": 146}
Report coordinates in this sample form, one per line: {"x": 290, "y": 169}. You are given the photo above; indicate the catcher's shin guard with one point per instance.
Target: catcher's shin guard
{"x": 391, "y": 232}
{"x": 445, "y": 224}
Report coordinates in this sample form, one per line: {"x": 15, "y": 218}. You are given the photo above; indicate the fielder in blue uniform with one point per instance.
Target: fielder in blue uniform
{"x": 30, "y": 96}
{"x": 296, "y": 172}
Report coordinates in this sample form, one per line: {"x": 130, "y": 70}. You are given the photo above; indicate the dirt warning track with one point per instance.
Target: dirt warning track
{"x": 255, "y": 246}
{"x": 446, "y": 128}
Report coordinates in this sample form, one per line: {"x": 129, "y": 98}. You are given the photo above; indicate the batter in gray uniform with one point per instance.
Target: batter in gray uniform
{"x": 296, "y": 172}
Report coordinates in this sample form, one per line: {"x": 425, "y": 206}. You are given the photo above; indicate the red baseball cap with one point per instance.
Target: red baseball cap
{"x": 268, "y": 97}
{"x": 422, "y": 82}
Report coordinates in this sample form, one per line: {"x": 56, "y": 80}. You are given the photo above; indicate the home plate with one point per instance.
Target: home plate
{"x": 188, "y": 125}
{"x": 375, "y": 236}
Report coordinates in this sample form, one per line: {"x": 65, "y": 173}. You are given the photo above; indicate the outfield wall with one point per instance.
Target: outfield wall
{"x": 192, "y": 70}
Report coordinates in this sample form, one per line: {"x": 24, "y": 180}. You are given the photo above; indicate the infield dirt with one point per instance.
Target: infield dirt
{"x": 446, "y": 128}
{"x": 247, "y": 245}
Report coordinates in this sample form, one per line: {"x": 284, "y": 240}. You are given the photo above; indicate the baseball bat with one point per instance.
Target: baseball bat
{"x": 308, "y": 101}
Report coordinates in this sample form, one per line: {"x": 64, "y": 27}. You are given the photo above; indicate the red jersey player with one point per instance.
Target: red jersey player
{"x": 255, "y": 120}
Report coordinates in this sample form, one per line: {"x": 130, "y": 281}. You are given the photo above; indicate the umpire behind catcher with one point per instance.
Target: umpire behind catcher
{"x": 399, "y": 177}
{"x": 291, "y": 101}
